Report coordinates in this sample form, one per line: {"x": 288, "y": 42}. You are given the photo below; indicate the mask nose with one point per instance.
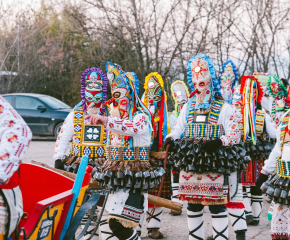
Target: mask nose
{"x": 151, "y": 101}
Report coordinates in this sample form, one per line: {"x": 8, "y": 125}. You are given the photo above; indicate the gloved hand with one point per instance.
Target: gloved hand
{"x": 58, "y": 164}
{"x": 170, "y": 142}
{"x": 261, "y": 179}
{"x": 211, "y": 145}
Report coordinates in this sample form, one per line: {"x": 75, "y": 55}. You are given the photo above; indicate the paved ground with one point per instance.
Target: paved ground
{"x": 174, "y": 228}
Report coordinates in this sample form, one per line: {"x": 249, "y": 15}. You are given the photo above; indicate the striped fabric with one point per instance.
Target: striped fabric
{"x": 260, "y": 115}
{"x": 204, "y": 130}
{"x": 283, "y": 167}
{"x": 213, "y": 114}
{"x": 215, "y": 111}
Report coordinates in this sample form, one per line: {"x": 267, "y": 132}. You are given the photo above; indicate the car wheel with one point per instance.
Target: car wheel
{"x": 57, "y": 129}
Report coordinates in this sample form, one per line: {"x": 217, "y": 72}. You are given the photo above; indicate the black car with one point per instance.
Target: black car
{"x": 43, "y": 114}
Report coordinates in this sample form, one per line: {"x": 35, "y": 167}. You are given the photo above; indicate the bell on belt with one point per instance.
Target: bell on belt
{"x": 269, "y": 182}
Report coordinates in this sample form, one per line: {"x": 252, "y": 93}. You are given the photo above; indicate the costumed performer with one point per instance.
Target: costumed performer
{"x": 155, "y": 100}
{"x": 252, "y": 128}
{"x": 206, "y": 126}
{"x": 128, "y": 172}
{"x": 275, "y": 104}
{"x": 15, "y": 137}
{"x": 180, "y": 96}
{"x": 229, "y": 80}
{"x": 86, "y": 139}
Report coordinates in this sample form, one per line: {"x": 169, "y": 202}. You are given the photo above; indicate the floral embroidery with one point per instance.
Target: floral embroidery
{"x": 15, "y": 138}
{"x": 213, "y": 178}
{"x": 186, "y": 177}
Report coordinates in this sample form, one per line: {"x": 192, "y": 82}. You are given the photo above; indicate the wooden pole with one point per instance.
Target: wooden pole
{"x": 157, "y": 201}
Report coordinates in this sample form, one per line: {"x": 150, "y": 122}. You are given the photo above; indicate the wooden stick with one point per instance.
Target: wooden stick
{"x": 162, "y": 202}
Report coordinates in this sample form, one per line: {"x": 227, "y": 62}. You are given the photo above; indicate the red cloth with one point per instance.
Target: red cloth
{"x": 235, "y": 205}
{"x": 13, "y": 182}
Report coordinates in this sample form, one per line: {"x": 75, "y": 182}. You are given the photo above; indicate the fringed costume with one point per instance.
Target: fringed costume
{"x": 128, "y": 172}
{"x": 180, "y": 95}
{"x": 205, "y": 155}
{"x": 252, "y": 127}
{"x": 235, "y": 207}
{"x": 155, "y": 100}
{"x": 86, "y": 139}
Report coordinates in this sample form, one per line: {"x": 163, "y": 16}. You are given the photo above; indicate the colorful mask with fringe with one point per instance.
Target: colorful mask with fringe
{"x": 124, "y": 96}
{"x": 252, "y": 93}
{"x": 122, "y": 92}
{"x": 180, "y": 95}
{"x": 201, "y": 76}
{"x": 93, "y": 90}
{"x": 228, "y": 79}
{"x": 155, "y": 101}
{"x": 279, "y": 93}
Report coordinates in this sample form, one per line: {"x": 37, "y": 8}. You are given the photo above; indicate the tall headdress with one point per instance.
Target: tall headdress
{"x": 252, "y": 93}
{"x": 94, "y": 89}
{"x": 279, "y": 93}
{"x": 124, "y": 95}
{"x": 228, "y": 79}
{"x": 201, "y": 79}
{"x": 135, "y": 81}
{"x": 180, "y": 95}
{"x": 155, "y": 101}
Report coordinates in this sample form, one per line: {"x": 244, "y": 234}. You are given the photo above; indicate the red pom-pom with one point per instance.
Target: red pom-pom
{"x": 89, "y": 169}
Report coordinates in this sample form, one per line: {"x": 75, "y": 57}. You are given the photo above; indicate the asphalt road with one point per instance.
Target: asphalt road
{"x": 172, "y": 227}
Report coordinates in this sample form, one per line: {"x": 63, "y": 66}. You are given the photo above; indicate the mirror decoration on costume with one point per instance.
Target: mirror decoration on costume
{"x": 87, "y": 139}
{"x": 187, "y": 154}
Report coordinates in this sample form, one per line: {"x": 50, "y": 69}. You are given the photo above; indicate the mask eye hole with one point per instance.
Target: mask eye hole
{"x": 116, "y": 95}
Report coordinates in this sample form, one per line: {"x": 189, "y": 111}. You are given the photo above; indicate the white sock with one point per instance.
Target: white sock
{"x": 237, "y": 218}
{"x": 246, "y": 201}
{"x": 155, "y": 221}
{"x": 220, "y": 226}
{"x": 138, "y": 229}
{"x": 195, "y": 225}
{"x": 256, "y": 204}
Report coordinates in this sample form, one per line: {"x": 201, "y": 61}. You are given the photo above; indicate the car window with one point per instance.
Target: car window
{"x": 8, "y": 99}
{"x": 23, "y": 102}
{"x": 54, "y": 103}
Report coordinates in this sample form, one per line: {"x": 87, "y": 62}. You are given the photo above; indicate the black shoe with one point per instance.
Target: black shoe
{"x": 254, "y": 223}
{"x": 241, "y": 235}
{"x": 249, "y": 219}
{"x": 210, "y": 238}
